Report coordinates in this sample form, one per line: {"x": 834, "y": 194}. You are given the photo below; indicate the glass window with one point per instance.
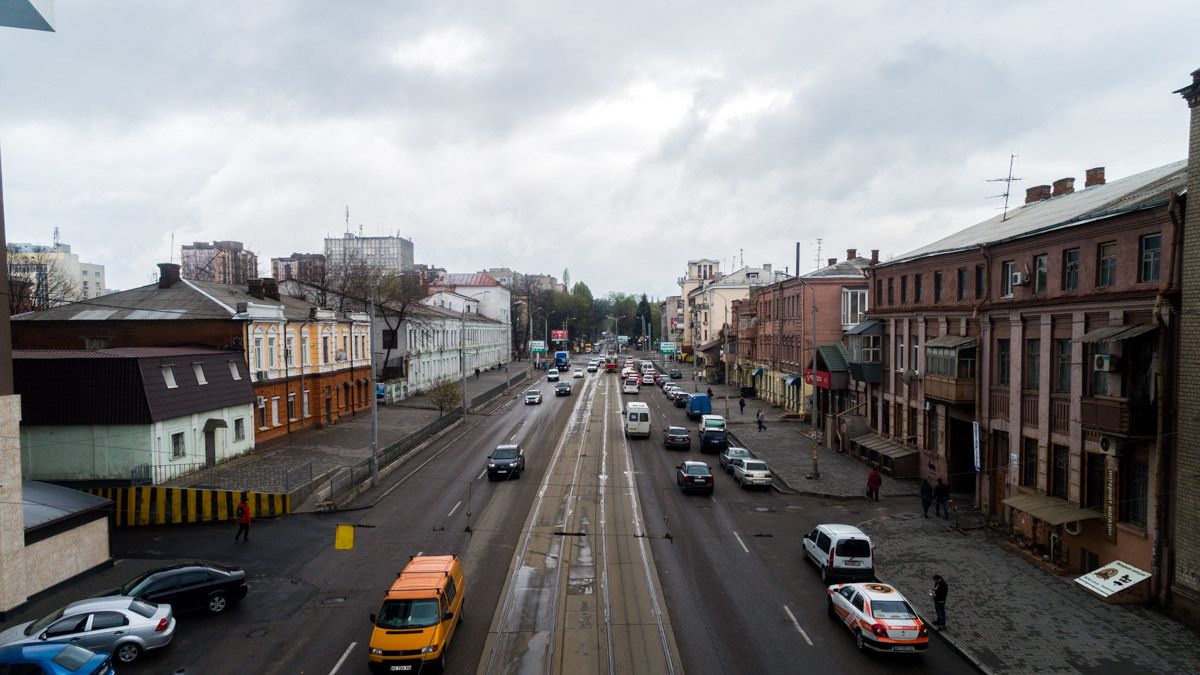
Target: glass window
{"x": 1062, "y": 370}
{"x": 1059, "y": 470}
{"x": 168, "y": 373}
{"x": 1099, "y": 377}
{"x": 1070, "y": 278}
{"x": 239, "y": 429}
{"x": 291, "y": 406}
{"x": 1151, "y": 247}
{"x": 233, "y": 371}
{"x": 891, "y": 291}
{"x": 1093, "y": 494}
{"x": 904, "y": 290}
{"x": 67, "y": 626}
{"x": 178, "y": 445}
{"x": 1106, "y": 264}
{"x": 258, "y": 353}
{"x": 917, "y": 288}
{"x": 937, "y": 287}
{"x": 1135, "y": 484}
{"x": 106, "y": 620}
{"x": 271, "y": 355}
{"x": 1033, "y": 364}
{"x": 871, "y": 348}
{"x": 854, "y": 306}
{"x": 980, "y": 282}
{"x": 1006, "y": 273}
{"x": 899, "y": 352}
{"x": 915, "y": 364}
{"x": 1003, "y": 356}
{"x": 1029, "y": 462}
{"x": 1041, "y": 272}
{"x": 961, "y": 290}
{"x": 198, "y": 370}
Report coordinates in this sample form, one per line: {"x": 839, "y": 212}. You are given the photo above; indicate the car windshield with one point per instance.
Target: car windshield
{"x": 39, "y": 625}
{"x": 892, "y": 609}
{"x": 694, "y": 470}
{"x": 505, "y": 453}
{"x": 676, "y": 431}
{"x": 853, "y": 548}
{"x": 408, "y": 614}
{"x": 754, "y": 466}
{"x": 737, "y": 452}
{"x": 532, "y": 392}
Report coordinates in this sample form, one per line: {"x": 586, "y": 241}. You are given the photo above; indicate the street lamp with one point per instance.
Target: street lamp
{"x": 566, "y": 338}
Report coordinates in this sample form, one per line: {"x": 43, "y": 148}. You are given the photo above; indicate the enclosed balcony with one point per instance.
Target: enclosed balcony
{"x": 950, "y": 369}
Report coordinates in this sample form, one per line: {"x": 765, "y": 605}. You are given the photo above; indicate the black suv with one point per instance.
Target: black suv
{"x": 506, "y": 461}
{"x": 714, "y": 441}
{"x": 193, "y": 585}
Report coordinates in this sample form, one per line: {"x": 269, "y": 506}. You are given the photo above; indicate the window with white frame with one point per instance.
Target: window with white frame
{"x": 899, "y": 352}
{"x": 289, "y": 350}
{"x": 178, "y": 446}
{"x": 1006, "y": 278}
{"x": 233, "y": 370}
{"x": 168, "y": 373}
{"x": 871, "y": 351}
{"x": 304, "y": 350}
{"x": 854, "y": 305}
{"x": 272, "y": 356}
{"x": 915, "y": 364}
{"x": 258, "y": 353}
{"x": 304, "y": 404}
{"x": 239, "y": 429}
{"x": 198, "y": 370}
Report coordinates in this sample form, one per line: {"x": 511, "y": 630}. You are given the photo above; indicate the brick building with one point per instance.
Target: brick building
{"x": 222, "y": 262}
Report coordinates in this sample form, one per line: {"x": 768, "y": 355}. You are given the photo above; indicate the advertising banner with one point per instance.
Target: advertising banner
{"x": 558, "y": 335}
{"x": 1112, "y": 578}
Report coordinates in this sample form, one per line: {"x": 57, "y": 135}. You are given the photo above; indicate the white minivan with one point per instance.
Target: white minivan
{"x": 840, "y": 552}
{"x": 712, "y": 423}
{"x": 637, "y": 419}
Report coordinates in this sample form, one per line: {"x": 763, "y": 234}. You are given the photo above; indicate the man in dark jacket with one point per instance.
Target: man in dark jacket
{"x": 941, "y": 495}
{"x": 939, "y": 600}
{"x": 926, "y": 496}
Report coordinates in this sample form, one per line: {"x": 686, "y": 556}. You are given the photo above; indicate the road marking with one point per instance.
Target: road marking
{"x": 456, "y": 505}
{"x": 743, "y": 544}
{"x": 342, "y": 660}
{"x": 797, "y": 625}
{"x": 481, "y": 474}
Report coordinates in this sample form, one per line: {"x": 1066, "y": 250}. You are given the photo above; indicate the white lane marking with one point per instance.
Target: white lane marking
{"x": 797, "y": 625}
{"x": 481, "y": 475}
{"x": 456, "y": 505}
{"x": 342, "y": 660}
{"x": 742, "y": 543}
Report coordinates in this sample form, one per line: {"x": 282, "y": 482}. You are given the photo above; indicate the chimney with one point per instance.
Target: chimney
{"x": 874, "y": 256}
{"x": 1037, "y": 193}
{"x": 1064, "y": 186}
{"x": 270, "y": 288}
{"x": 832, "y": 262}
{"x": 168, "y": 275}
{"x": 851, "y": 253}
{"x": 1093, "y": 177}
{"x": 255, "y": 288}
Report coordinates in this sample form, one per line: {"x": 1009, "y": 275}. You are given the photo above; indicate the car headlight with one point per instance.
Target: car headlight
{"x": 491, "y": 465}
{"x": 376, "y": 651}
{"x": 429, "y": 649}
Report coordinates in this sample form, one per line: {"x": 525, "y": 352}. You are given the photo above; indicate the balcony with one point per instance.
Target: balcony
{"x": 1106, "y": 414}
{"x": 954, "y": 391}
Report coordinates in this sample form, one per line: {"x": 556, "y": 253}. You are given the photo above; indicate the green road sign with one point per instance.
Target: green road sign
{"x": 537, "y": 346}
{"x": 666, "y": 347}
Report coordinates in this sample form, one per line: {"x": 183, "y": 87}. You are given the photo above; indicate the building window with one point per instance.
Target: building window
{"x": 304, "y": 404}
{"x": 1062, "y": 370}
{"x": 904, "y": 290}
{"x": 1029, "y": 462}
{"x": 1006, "y": 278}
{"x": 168, "y": 373}
{"x": 879, "y": 290}
{"x": 1003, "y": 356}
{"x": 272, "y": 360}
{"x": 854, "y": 306}
{"x": 1099, "y": 377}
{"x": 198, "y": 370}
{"x": 915, "y": 363}
{"x": 917, "y": 289}
{"x": 931, "y": 430}
{"x": 1151, "y": 257}
{"x": 304, "y": 350}
{"x": 899, "y": 352}
{"x": 239, "y": 429}
{"x": 291, "y": 406}
{"x": 1093, "y": 485}
{"x": 262, "y": 414}
{"x": 1070, "y": 279}
{"x": 289, "y": 351}
{"x": 937, "y": 287}
{"x": 258, "y": 354}
{"x": 274, "y": 411}
{"x": 94, "y": 343}
{"x": 1060, "y": 472}
{"x": 961, "y": 291}
{"x": 233, "y": 371}
{"x": 1041, "y": 273}
{"x": 178, "y": 446}
{"x": 1106, "y": 264}
{"x": 980, "y": 282}
{"x": 1135, "y": 485}
{"x": 324, "y": 349}
{"x": 891, "y": 291}
{"x": 870, "y": 348}
{"x": 1033, "y": 364}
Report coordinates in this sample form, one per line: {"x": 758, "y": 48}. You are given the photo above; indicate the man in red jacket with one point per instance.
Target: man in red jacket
{"x": 874, "y": 482}
{"x": 242, "y": 513}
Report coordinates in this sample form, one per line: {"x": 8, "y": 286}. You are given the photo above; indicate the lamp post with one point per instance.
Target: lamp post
{"x": 566, "y": 337}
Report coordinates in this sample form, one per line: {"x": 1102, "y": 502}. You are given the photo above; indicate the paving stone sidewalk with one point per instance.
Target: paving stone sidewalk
{"x": 1005, "y": 614}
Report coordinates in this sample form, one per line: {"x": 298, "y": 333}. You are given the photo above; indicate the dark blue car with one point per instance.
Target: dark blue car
{"x": 56, "y": 658}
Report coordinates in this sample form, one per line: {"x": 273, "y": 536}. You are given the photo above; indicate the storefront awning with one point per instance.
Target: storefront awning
{"x": 792, "y": 380}
{"x": 1052, "y": 510}
{"x": 757, "y": 372}
{"x": 951, "y": 341}
{"x": 884, "y": 445}
{"x": 1116, "y": 333}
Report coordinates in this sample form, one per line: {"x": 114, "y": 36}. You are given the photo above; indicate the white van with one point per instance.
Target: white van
{"x": 712, "y": 423}
{"x": 840, "y": 552}
{"x": 637, "y": 419}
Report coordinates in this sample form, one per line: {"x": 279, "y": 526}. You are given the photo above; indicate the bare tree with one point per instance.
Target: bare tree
{"x": 39, "y": 281}
{"x": 445, "y": 396}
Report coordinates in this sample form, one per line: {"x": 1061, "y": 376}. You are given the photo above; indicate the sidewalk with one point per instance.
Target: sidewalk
{"x": 1004, "y": 614}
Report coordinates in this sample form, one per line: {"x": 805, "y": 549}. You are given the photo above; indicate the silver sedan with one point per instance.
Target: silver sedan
{"x": 118, "y": 624}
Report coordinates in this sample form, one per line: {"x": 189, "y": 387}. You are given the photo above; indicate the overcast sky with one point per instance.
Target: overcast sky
{"x": 617, "y": 140}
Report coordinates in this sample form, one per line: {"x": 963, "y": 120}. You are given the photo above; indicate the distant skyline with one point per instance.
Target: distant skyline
{"x": 617, "y": 140}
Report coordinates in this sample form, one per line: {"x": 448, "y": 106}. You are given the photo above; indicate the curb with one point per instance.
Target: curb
{"x": 968, "y": 656}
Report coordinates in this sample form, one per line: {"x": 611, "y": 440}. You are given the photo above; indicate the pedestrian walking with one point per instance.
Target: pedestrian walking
{"x": 710, "y": 392}
{"x": 758, "y": 418}
{"x": 742, "y": 404}
{"x": 940, "y": 589}
{"x": 874, "y": 482}
{"x": 941, "y": 495}
{"x": 926, "y": 496}
{"x": 242, "y": 512}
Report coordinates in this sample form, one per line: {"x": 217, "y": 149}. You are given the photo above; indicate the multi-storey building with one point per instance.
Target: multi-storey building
{"x": 387, "y": 254}
{"x": 222, "y": 262}
{"x": 310, "y": 366}
{"x": 699, "y": 272}
{"x": 1051, "y": 327}
{"x": 309, "y": 267}
{"x": 52, "y": 275}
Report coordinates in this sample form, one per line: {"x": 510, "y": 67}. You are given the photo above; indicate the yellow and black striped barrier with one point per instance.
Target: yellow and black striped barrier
{"x": 172, "y": 506}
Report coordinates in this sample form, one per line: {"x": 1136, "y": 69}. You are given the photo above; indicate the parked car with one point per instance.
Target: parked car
{"x": 660, "y": 379}
{"x": 533, "y": 396}
{"x": 840, "y": 552}
{"x": 752, "y": 472}
{"x": 694, "y": 476}
{"x": 677, "y": 438}
{"x": 731, "y": 455}
{"x": 124, "y": 626}
{"x": 187, "y": 586}
{"x": 681, "y": 399}
{"x": 578, "y": 372}
{"x": 562, "y": 389}
{"x": 676, "y": 374}
{"x": 714, "y": 441}
{"x": 506, "y": 461}
{"x": 552, "y": 375}
{"x": 55, "y": 658}
{"x": 878, "y": 616}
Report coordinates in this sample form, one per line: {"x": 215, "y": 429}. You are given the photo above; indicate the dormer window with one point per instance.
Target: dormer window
{"x": 168, "y": 373}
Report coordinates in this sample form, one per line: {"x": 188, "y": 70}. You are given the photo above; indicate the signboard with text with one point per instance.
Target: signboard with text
{"x": 537, "y": 346}
{"x": 823, "y": 379}
{"x": 622, "y": 339}
{"x": 666, "y": 347}
{"x": 558, "y": 335}
{"x": 1112, "y": 578}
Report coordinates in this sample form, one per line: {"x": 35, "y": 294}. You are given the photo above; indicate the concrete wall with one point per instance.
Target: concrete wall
{"x": 54, "y": 560}
{"x": 12, "y": 514}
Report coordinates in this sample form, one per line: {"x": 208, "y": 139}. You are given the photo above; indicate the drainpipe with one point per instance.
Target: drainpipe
{"x": 984, "y": 481}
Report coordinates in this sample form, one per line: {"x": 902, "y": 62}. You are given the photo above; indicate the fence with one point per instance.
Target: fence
{"x": 197, "y": 474}
{"x": 497, "y": 390}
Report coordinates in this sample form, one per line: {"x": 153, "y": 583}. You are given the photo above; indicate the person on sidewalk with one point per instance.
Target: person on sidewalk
{"x": 874, "y": 482}
{"x": 939, "y": 600}
{"x": 742, "y": 404}
{"x": 710, "y": 392}
{"x": 941, "y": 495}
{"x": 758, "y": 417}
{"x": 926, "y": 496}
{"x": 242, "y": 512}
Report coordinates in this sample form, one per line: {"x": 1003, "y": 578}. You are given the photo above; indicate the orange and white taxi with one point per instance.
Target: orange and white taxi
{"x": 879, "y": 617}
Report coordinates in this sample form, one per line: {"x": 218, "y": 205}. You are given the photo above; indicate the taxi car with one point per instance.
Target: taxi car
{"x": 878, "y": 616}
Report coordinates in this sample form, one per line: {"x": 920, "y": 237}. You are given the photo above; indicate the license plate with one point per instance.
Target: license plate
{"x": 853, "y": 563}
{"x": 401, "y": 668}
{"x": 902, "y": 648}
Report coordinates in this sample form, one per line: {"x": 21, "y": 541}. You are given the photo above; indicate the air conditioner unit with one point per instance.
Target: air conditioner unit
{"x": 262, "y": 401}
{"x": 1103, "y": 363}
{"x": 341, "y": 355}
{"x": 1110, "y": 446}
{"x": 1020, "y": 278}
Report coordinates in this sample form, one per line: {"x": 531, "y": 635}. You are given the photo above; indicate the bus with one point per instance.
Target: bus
{"x": 610, "y": 363}
{"x": 562, "y": 361}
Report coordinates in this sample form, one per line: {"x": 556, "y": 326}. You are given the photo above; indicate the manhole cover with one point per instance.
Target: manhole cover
{"x": 257, "y": 633}
{"x": 336, "y": 600}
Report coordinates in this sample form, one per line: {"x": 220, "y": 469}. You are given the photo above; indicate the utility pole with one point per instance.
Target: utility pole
{"x": 816, "y": 463}
{"x": 462, "y": 355}
{"x": 374, "y": 399}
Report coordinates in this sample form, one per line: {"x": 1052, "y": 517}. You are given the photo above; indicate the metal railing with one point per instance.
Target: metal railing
{"x": 263, "y": 478}
{"x": 343, "y": 480}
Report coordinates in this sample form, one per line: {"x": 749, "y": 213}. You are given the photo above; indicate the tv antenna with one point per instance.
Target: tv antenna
{"x": 818, "y": 253}
{"x": 1008, "y": 181}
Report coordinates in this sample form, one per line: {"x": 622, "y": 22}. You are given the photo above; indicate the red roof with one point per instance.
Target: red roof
{"x": 472, "y": 279}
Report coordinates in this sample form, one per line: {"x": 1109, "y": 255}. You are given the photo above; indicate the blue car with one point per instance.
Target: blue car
{"x": 56, "y": 659}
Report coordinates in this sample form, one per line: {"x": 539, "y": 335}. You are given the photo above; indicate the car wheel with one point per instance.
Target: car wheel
{"x": 859, "y": 641}
{"x": 440, "y": 664}
{"x": 829, "y": 609}
{"x": 127, "y": 652}
{"x": 217, "y": 603}
{"x": 824, "y": 574}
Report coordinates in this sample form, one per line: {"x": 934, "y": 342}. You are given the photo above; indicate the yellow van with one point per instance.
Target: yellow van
{"x": 419, "y": 614}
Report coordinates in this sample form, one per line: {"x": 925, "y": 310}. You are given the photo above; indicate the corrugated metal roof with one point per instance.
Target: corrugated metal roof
{"x": 1052, "y": 510}
{"x": 864, "y": 326}
{"x": 472, "y": 279}
{"x": 835, "y": 357}
{"x": 46, "y": 503}
{"x": 1118, "y": 196}
{"x": 855, "y": 268}
{"x": 952, "y": 341}
{"x": 1116, "y": 333}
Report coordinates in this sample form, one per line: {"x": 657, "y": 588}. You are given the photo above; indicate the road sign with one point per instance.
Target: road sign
{"x": 537, "y": 346}
{"x": 666, "y": 347}
{"x": 622, "y": 339}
